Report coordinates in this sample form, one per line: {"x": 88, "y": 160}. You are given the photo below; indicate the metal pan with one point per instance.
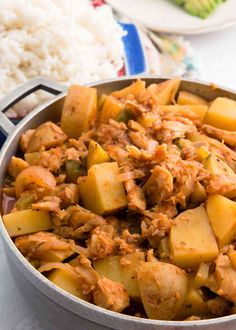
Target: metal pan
{"x": 44, "y": 296}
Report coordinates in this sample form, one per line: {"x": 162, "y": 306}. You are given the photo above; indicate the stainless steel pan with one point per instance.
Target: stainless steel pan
{"x": 44, "y": 296}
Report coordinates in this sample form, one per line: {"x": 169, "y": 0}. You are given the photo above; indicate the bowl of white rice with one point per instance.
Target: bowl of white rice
{"x": 68, "y": 41}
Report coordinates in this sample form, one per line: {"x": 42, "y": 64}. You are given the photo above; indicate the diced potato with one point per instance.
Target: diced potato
{"x": 166, "y": 91}
{"x": 222, "y": 216}
{"x": 34, "y": 175}
{"x": 26, "y": 222}
{"x": 191, "y": 239}
{"x": 96, "y": 154}
{"x": 67, "y": 282}
{"x": 111, "y": 109}
{"x": 16, "y": 166}
{"x": 201, "y": 277}
{"x": 163, "y": 249}
{"x": 163, "y": 289}
{"x": 79, "y": 110}
{"x": 199, "y": 110}
{"x": 199, "y": 194}
{"x": 194, "y": 304}
{"x": 190, "y": 99}
{"x": 222, "y": 114}
{"x": 122, "y": 269}
{"x": 100, "y": 191}
{"x": 134, "y": 89}
{"x": 46, "y": 135}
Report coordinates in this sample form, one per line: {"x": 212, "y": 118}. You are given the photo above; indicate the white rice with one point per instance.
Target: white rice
{"x": 65, "y": 40}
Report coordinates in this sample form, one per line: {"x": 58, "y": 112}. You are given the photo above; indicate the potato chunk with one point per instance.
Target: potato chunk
{"x": 96, "y": 154}
{"x": 166, "y": 91}
{"x": 79, "y": 110}
{"x": 67, "y": 282}
{"x": 190, "y": 99}
{"x": 16, "y": 165}
{"x": 222, "y": 114}
{"x": 199, "y": 194}
{"x": 194, "y": 304}
{"x": 134, "y": 89}
{"x": 122, "y": 269}
{"x": 100, "y": 191}
{"x": 46, "y": 135}
{"x": 163, "y": 289}
{"x": 222, "y": 216}
{"x": 111, "y": 109}
{"x": 191, "y": 239}
{"x": 26, "y": 222}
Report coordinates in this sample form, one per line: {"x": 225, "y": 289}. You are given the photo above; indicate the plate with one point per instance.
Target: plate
{"x": 164, "y": 16}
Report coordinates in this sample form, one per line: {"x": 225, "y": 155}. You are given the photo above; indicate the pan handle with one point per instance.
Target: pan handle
{"x": 6, "y": 126}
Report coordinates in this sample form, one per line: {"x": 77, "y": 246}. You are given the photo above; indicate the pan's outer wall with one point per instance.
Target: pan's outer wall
{"x": 74, "y": 313}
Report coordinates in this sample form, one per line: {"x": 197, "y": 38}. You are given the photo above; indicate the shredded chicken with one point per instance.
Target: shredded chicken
{"x": 228, "y": 137}
{"x": 135, "y": 196}
{"x": 159, "y": 186}
{"x": 226, "y": 277}
{"x": 153, "y": 160}
{"x": 36, "y": 246}
{"x": 111, "y": 295}
{"x": 155, "y": 226}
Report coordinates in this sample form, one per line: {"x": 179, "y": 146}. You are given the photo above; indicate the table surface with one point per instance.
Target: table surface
{"x": 216, "y": 53}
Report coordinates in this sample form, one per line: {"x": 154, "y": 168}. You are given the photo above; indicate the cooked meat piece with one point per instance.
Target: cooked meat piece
{"x": 111, "y": 295}
{"x": 135, "y": 196}
{"x": 189, "y": 173}
{"x": 72, "y": 153}
{"x": 155, "y": 226}
{"x": 142, "y": 141}
{"x": 228, "y": 137}
{"x": 68, "y": 193}
{"x": 136, "y": 107}
{"x": 48, "y": 204}
{"x": 46, "y": 136}
{"x": 127, "y": 242}
{"x": 88, "y": 277}
{"x": 36, "y": 246}
{"x": 166, "y": 207}
{"x": 114, "y": 133}
{"x": 79, "y": 223}
{"x": 226, "y": 277}
{"x": 100, "y": 245}
{"x": 50, "y": 159}
{"x": 222, "y": 185}
{"x": 159, "y": 185}
{"x": 174, "y": 129}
